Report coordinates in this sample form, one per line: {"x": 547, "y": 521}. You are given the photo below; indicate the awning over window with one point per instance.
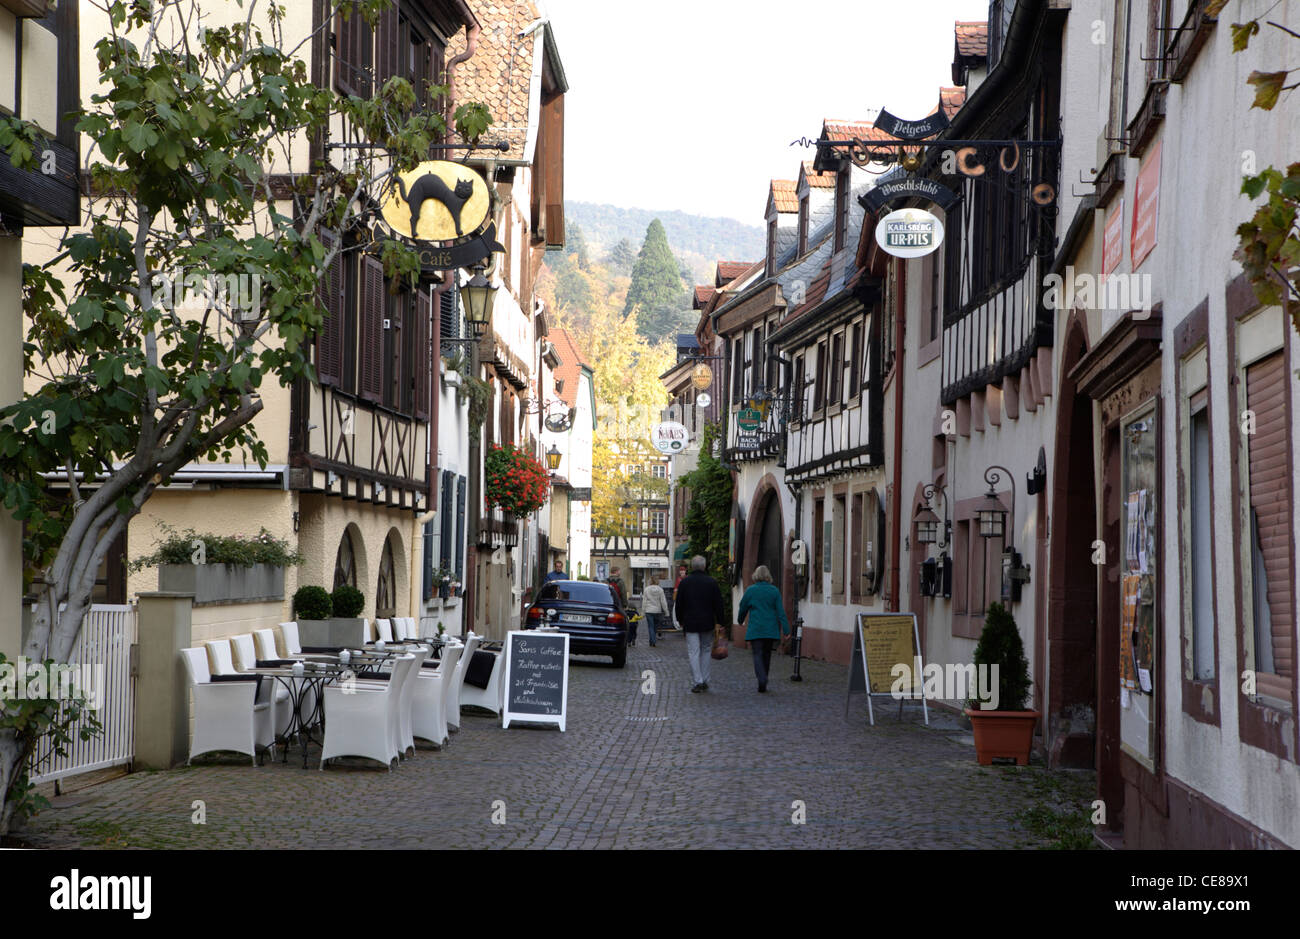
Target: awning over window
{"x": 683, "y": 551}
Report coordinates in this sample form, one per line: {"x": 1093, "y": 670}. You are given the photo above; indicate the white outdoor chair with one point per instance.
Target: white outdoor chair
{"x": 267, "y": 652}
{"x": 401, "y": 630}
{"x": 270, "y": 691}
{"x": 226, "y": 714}
{"x": 384, "y": 629}
{"x": 364, "y": 721}
{"x": 489, "y": 698}
{"x": 458, "y": 682}
{"x": 289, "y": 633}
{"x": 432, "y": 693}
{"x": 367, "y": 632}
{"x": 246, "y": 661}
{"x": 265, "y": 640}
{"x": 407, "y": 738}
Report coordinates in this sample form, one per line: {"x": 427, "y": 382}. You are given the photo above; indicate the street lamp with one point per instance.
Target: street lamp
{"x": 479, "y": 297}
{"x": 990, "y": 512}
{"x": 927, "y": 523}
{"x": 553, "y": 457}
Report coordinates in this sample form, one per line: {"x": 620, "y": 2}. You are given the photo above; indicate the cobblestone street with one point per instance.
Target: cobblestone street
{"x": 633, "y": 770}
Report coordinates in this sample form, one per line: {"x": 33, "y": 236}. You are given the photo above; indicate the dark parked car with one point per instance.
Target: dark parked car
{"x": 588, "y": 611}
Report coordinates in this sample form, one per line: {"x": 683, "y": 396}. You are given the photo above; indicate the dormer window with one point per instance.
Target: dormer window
{"x": 803, "y": 225}
{"x": 842, "y": 206}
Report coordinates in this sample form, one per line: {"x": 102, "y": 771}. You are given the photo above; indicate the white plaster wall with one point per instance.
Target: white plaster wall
{"x": 1200, "y": 207}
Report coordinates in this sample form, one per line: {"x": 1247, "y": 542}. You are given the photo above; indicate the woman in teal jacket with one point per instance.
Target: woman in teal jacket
{"x": 767, "y": 623}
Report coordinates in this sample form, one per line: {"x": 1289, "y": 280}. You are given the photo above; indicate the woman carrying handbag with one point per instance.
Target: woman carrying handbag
{"x": 762, "y": 605}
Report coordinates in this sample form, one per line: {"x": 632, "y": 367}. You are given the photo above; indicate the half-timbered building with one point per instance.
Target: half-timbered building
{"x": 39, "y": 84}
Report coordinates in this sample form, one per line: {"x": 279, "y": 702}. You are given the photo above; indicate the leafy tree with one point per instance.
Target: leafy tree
{"x": 1268, "y": 246}
{"x": 622, "y": 257}
{"x": 708, "y": 519}
{"x": 133, "y": 377}
{"x": 575, "y": 245}
{"x": 657, "y": 294}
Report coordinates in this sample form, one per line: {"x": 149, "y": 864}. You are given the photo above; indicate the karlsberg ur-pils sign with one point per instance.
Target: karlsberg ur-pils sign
{"x": 909, "y": 233}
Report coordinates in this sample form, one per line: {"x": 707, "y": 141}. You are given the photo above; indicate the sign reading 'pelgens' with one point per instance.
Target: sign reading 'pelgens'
{"x": 909, "y": 233}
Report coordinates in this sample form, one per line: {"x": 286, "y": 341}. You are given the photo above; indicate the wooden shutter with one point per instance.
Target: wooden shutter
{"x": 353, "y": 53}
{"x": 329, "y": 341}
{"x": 448, "y": 519}
{"x": 1270, "y": 499}
{"x": 423, "y": 357}
{"x": 855, "y": 360}
{"x": 819, "y": 380}
{"x": 428, "y": 560}
{"x": 388, "y": 60}
{"x": 448, "y": 319}
{"x": 460, "y": 537}
{"x": 372, "y": 330}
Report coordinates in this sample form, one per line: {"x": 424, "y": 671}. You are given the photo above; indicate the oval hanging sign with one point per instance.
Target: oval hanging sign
{"x": 444, "y": 208}
{"x": 669, "y": 437}
{"x": 909, "y": 233}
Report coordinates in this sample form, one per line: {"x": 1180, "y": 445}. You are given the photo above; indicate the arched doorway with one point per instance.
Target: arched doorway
{"x": 386, "y": 589}
{"x": 345, "y": 561}
{"x": 771, "y": 539}
{"x": 1072, "y": 607}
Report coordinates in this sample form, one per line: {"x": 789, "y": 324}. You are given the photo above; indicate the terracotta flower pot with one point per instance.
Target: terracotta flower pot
{"x": 1003, "y": 734}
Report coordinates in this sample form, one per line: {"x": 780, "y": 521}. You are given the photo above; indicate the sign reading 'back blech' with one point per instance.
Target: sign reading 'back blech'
{"x": 537, "y": 677}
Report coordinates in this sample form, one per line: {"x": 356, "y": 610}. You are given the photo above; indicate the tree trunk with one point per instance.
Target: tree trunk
{"x": 13, "y": 753}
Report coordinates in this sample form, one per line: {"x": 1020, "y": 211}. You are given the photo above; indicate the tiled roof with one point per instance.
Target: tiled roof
{"x": 570, "y": 365}
{"x": 817, "y": 180}
{"x": 782, "y": 193}
{"x": 730, "y": 270}
{"x": 849, "y": 130}
{"x": 815, "y": 295}
{"x": 703, "y": 294}
{"x": 687, "y": 341}
{"x": 500, "y": 72}
{"x": 951, "y": 100}
{"x": 973, "y": 39}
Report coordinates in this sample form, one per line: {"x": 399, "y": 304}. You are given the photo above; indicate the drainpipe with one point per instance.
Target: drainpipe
{"x": 895, "y": 535}
{"x": 471, "y": 46}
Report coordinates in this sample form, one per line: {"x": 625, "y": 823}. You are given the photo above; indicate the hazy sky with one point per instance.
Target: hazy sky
{"x": 692, "y": 104}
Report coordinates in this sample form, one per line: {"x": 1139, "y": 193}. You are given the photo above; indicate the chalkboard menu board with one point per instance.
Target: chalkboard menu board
{"x": 537, "y": 677}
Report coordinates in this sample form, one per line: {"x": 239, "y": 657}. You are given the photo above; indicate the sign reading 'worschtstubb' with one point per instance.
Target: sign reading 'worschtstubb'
{"x": 909, "y": 233}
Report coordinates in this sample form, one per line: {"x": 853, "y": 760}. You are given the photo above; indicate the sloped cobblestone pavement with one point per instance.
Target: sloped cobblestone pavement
{"x": 721, "y": 769}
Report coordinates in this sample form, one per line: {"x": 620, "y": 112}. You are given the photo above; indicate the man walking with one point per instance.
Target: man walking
{"x": 654, "y": 605}
{"x": 558, "y": 573}
{"x": 699, "y": 608}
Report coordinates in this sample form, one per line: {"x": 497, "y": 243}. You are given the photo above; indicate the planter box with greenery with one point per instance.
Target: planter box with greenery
{"x": 319, "y": 622}
{"x": 1006, "y": 732}
{"x": 221, "y": 569}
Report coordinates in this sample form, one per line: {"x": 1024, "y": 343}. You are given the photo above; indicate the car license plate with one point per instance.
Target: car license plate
{"x": 574, "y": 618}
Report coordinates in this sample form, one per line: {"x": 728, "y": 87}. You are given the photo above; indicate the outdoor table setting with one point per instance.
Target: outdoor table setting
{"x": 300, "y": 678}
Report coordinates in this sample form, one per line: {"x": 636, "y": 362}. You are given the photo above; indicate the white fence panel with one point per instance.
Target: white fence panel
{"x": 107, "y": 635}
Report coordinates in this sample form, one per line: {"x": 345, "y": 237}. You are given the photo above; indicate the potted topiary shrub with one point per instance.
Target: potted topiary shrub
{"x": 1002, "y": 727}
{"x": 312, "y": 603}
{"x": 348, "y": 601}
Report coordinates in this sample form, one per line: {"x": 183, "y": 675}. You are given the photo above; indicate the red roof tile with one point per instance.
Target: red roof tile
{"x": 570, "y": 365}
{"x": 849, "y": 130}
{"x": 782, "y": 192}
{"x": 703, "y": 294}
{"x": 951, "y": 100}
{"x": 500, "y": 72}
{"x": 972, "y": 39}
{"x": 815, "y": 179}
{"x": 730, "y": 270}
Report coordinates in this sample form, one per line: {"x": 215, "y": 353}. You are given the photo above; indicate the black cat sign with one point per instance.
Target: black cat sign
{"x": 444, "y": 208}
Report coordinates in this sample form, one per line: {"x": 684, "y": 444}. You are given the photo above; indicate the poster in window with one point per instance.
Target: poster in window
{"x": 1128, "y": 676}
